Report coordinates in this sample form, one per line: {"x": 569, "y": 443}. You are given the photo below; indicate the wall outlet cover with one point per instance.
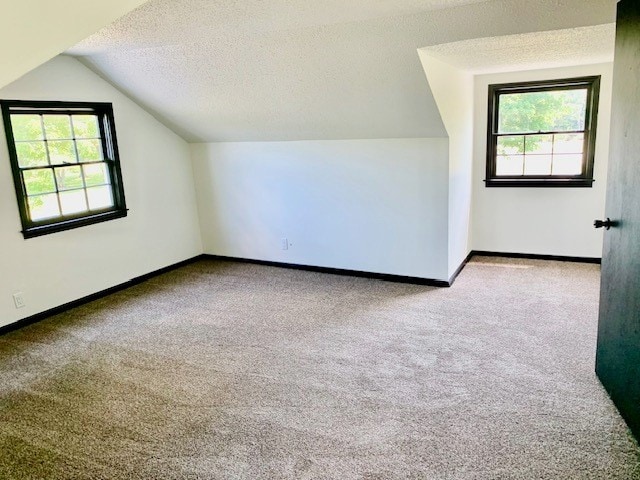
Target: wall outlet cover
{"x": 18, "y": 300}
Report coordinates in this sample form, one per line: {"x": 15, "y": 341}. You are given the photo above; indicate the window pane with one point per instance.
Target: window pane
{"x": 537, "y": 165}
{"x": 100, "y": 197}
{"x": 69, "y": 178}
{"x": 509, "y": 164}
{"x": 511, "y": 145}
{"x": 569, "y": 143}
{"x": 57, "y": 126}
{"x": 39, "y": 181}
{"x": 65, "y": 164}
{"x": 26, "y": 127}
{"x": 546, "y": 111}
{"x": 89, "y": 150}
{"x": 73, "y": 202}
{"x": 86, "y": 126}
{"x": 43, "y": 206}
{"x": 567, "y": 164}
{"x": 539, "y": 144}
{"x": 62, "y": 152}
{"x": 96, "y": 174}
{"x": 31, "y": 154}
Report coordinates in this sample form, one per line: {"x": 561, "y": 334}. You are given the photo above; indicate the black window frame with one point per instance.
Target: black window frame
{"x": 111, "y": 158}
{"x": 585, "y": 179}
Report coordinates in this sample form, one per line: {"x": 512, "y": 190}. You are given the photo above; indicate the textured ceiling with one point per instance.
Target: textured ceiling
{"x": 34, "y": 31}
{"x": 167, "y": 22}
{"x": 572, "y": 46}
{"x": 249, "y": 70}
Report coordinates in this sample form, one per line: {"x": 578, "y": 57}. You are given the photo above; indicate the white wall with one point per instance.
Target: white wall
{"x": 396, "y": 206}
{"x": 369, "y": 205}
{"x": 162, "y": 225}
{"x": 547, "y": 221}
{"x": 452, "y": 89}
{"x": 34, "y": 31}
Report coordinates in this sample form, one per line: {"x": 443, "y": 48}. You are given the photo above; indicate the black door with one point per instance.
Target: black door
{"x": 618, "y": 356}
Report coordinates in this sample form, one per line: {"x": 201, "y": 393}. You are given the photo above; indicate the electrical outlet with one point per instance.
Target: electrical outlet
{"x": 285, "y": 244}
{"x": 18, "y": 299}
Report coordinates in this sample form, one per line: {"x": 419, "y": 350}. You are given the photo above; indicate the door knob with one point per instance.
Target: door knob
{"x": 607, "y": 224}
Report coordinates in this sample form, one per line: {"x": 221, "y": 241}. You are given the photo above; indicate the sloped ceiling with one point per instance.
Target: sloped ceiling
{"x": 253, "y": 70}
{"x": 34, "y": 31}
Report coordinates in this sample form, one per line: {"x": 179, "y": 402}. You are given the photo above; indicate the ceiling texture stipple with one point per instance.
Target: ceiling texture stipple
{"x": 257, "y": 70}
{"x": 571, "y": 46}
{"x": 34, "y": 31}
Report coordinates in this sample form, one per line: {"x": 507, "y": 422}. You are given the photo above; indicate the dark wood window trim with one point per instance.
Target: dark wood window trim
{"x": 111, "y": 160}
{"x": 585, "y": 179}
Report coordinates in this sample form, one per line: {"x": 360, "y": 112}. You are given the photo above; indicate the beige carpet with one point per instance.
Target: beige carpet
{"x": 224, "y": 370}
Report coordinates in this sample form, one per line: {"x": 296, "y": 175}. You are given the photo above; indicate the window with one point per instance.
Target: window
{"x": 542, "y": 134}
{"x": 66, "y": 169}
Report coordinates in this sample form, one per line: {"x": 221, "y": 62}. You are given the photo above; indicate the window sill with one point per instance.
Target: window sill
{"x": 540, "y": 182}
{"x": 39, "y": 230}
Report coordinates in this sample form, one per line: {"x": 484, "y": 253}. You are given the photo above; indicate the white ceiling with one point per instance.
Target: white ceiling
{"x": 250, "y": 70}
{"x": 508, "y": 53}
{"x": 34, "y": 31}
{"x": 167, "y": 22}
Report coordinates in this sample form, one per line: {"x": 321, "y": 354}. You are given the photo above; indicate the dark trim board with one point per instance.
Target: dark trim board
{"x": 135, "y": 281}
{"x": 460, "y": 268}
{"x": 94, "y": 296}
{"x": 402, "y": 278}
{"x": 337, "y": 271}
{"x": 534, "y": 256}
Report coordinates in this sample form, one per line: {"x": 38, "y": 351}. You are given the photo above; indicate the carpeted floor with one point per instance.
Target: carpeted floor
{"x": 222, "y": 371}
